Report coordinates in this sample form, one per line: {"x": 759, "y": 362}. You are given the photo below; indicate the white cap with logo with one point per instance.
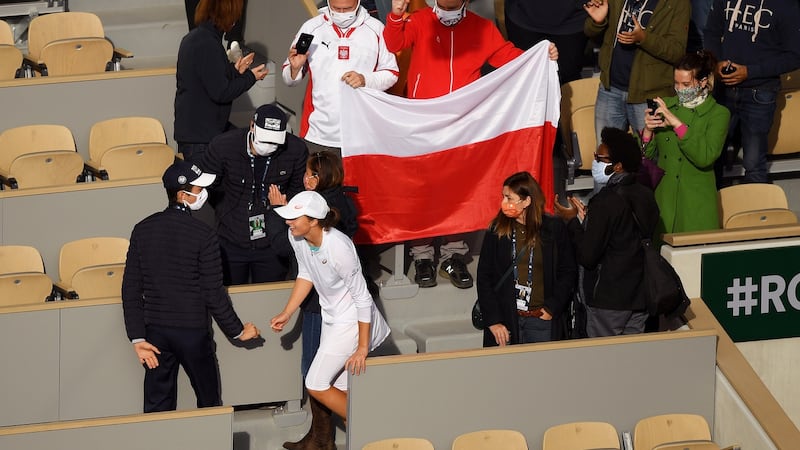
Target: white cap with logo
{"x": 306, "y": 203}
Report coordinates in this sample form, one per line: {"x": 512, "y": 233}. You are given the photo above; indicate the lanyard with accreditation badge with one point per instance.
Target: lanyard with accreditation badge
{"x": 256, "y": 221}
{"x": 523, "y": 292}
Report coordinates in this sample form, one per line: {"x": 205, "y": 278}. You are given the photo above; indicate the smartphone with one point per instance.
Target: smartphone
{"x": 303, "y": 43}
{"x": 729, "y": 69}
{"x": 652, "y": 105}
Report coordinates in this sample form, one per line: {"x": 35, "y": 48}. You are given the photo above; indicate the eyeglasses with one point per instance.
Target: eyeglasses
{"x": 602, "y": 158}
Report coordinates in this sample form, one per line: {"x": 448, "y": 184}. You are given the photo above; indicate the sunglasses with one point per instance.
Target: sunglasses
{"x": 602, "y": 158}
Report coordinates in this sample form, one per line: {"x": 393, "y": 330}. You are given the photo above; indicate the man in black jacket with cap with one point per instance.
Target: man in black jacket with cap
{"x": 250, "y": 162}
{"x": 172, "y": 281}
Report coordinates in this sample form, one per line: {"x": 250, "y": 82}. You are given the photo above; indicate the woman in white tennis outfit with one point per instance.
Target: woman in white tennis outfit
{"x": 351, "y": 324}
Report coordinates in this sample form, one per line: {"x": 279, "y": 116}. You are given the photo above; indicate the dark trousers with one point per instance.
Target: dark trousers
{"x": 192, "y": 349}
{"x": 253, "y": 265}
{"x": 236, "y": 33}
{"x": 571, "y": 48}
{"x": 752, "y": 112}
{"x": 192, "y": 153}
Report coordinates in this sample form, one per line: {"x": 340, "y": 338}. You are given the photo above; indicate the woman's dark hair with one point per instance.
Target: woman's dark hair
{"x": 525, "y": 186}
{"x": 622, "y": 148}
{"x": 330, "y": 220}
{"x": 222, "y": 13}
{"x": 701, "y": 63}
{"x": 327, "y": 167}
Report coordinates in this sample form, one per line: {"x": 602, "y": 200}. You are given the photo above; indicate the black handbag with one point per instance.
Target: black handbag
{"x": 477, "y": 316}
{"x": 663, "y": 287}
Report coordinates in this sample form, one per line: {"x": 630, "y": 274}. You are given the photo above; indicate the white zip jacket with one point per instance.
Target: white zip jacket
{"x": 334, "y": 52}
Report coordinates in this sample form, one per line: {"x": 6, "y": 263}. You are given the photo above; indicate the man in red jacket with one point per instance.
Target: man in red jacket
{"x": 449, "y": 46}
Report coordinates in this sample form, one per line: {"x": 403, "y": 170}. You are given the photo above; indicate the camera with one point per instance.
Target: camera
{"x": 729, "y": 69}
{"x": 303, "y": 43}
{"x": 652, "y": 105}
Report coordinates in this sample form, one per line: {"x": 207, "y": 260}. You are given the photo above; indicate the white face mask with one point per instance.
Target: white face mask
{"x": 599, "y": 173}
{"x": 449, "y": 18}
{"x": 199, "y": 201}
{"x": 262, "y": 148}
{"x": 344, "y": 19}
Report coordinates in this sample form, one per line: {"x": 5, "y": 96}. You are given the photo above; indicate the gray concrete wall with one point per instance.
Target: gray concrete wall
{"x": 78, "y": 363}
{"x": 529, "y": 388}
{"x": 209, "y": 429}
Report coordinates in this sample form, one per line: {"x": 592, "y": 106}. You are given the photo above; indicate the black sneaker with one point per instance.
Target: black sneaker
{"x": 425, "y": 273}
{"x": 456, "y": 269}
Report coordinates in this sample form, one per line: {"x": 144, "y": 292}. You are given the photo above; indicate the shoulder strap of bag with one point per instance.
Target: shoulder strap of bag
{"x": 635, "y": 218}
{"x": 510, "y": 269}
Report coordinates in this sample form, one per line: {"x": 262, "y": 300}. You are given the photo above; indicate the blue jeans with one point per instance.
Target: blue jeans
{"x": 613, "y": 110}
{"x": 534, "y": 329}
{"x": 312, "y": 329}
{"x": 752, "y": 109}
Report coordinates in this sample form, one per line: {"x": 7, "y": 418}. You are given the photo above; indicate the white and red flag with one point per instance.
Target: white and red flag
{"x": 435, "y": 167}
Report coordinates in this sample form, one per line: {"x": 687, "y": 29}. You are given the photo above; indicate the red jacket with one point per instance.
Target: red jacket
{"x": 444, "y": 59}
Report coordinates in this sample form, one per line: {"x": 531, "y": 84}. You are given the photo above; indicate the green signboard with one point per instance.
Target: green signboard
{"x": 754, "y": 293}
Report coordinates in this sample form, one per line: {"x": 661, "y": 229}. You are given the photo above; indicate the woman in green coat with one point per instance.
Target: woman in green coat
{"x": 686, "y": 134}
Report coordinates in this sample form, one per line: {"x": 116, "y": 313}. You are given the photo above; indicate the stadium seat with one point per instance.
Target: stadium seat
{"x": 581, "y": 436}
{"x": 39, "y": 156}
{"x": 668, "y": 428}
{"x": 92, "y": 267}
{"x": 688, "y": 445}
{"x": 761, "y": 218}
{"x": 71, "y": 43}
{"x": 577, "y": 123}
{"x": 10, "y": 56}
{"x": 745, "y": 205}
{"x": 22, "y": 278}
{"x": 784, "y": 137}
{"x": 399, "y": 444}
{"x": 491, "y": 440}
{"x": 128, "y": 147}
{"x": 584, "y": 138}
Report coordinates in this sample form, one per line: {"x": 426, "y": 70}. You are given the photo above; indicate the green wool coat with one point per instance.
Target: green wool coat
{"x": 687, "y": 195}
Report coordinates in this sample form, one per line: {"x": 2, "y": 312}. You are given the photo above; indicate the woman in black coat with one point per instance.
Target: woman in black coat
{"x": 527, "y": 270}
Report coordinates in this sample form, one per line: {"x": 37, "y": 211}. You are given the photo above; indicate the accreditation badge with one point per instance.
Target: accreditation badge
{"x": 257, "y": 227}
{"x": 523, "y": 296}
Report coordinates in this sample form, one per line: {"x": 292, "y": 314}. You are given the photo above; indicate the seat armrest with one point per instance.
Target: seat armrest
{"x": 120, "y": 52}
{"x": 66, "y": 291}
{"x": 95, "y": 169}
{"x": 11, "y": 182}
{"x": 34, "y": 64}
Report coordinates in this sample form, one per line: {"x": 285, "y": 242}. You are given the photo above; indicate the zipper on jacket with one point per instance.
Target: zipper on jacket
{"x": 452, "y": 45}
{"x": 416, "y": 85}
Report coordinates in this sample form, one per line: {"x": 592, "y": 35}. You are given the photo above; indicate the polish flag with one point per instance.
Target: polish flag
{"x": 436, "y": 167}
